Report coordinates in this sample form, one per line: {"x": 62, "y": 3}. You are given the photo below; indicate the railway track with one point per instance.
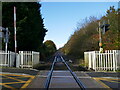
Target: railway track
{"x": 52, "y": 82}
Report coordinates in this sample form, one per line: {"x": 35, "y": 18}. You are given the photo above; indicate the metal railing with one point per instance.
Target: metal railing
{"x": 7, "y": 58}
{"x": 24, "y": 59}
{"x": 28, "y": 59}
{"x": 109, "y": 60}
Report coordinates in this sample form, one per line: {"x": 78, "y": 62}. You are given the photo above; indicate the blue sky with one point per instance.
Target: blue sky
{"x": 61, "y": 18}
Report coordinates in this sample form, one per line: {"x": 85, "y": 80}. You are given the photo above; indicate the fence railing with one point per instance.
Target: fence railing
{"x": 7, "y": 58}
{"x": 28, "y": 59}
{"x": 25, "y": 59}
{"x": 110, "y": 60}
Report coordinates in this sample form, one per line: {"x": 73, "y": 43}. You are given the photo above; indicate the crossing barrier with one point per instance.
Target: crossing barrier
{"x": 24, "y": 59}
{"x": 109, "y": 60}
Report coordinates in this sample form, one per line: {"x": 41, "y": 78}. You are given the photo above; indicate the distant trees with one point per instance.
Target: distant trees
{"x": 49, "y": 48}
{"x": 30, "y": 27}
{"x": 81, "y": 40}
{"x": 86, "y": 38}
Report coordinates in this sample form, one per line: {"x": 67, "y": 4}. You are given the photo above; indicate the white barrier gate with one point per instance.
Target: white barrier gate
{"x": 110, "y": 60}
{"x": 25, "y": 59}
{"x": 28, "y": 59}
{"x": 7, "y": 58}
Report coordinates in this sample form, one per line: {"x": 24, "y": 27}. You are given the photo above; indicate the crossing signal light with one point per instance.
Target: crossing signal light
{"x": 105, "y": 27}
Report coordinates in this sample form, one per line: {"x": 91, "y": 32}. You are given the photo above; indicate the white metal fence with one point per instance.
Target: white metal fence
{"x": 25, "y": 59}
{"x": 7, "y": 58}
{"x": 28, "y": 59}
{"x": 110, "y": 60}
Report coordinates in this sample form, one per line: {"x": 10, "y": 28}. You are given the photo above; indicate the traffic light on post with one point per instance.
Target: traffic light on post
{"x": 107, "y": 27}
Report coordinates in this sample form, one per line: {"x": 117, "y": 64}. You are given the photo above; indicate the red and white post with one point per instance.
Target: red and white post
{"x": 15, "y": 65}
{"x": 15, "y": 29}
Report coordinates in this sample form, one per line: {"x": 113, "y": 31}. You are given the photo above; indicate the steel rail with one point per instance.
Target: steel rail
{"x": 50, "y": 75}
{"x": 81, "y": 85}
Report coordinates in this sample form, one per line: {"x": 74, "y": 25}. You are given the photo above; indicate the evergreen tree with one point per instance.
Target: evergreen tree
{"x": 30, "y": 27}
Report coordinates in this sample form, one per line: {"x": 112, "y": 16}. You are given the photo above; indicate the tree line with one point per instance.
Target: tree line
{"x": 86, "y": 36}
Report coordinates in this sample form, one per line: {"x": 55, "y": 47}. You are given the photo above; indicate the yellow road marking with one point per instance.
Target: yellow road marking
{"x": 107, "y": 79}
{"x": 13, "y": 82}
{"x": 7, "y": 86}
{"x": 98, "y": 80}
{"x": 16, "y": 75}
{"x": 27, "y": 83}
{"x": 17, "y": 79}
{"x": 110, "y": 80}
{"x": 13, "y": 78}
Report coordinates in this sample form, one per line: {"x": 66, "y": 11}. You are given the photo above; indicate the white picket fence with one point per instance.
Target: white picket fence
{"x": 110, "y": 60}
{"x": 25, "y": 59}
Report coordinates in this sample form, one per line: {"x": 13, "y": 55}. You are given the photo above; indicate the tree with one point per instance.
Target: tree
{"x": 49, "y": 48}
{"x": 30, "y": 27}
{"x": 86, "y": 38}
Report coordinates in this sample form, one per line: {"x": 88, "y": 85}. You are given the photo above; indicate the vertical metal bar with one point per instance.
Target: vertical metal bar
{"x": 104, "y": 60}
{"x": 15, "y": 30}
{"x": 100, "y": 38}
{"x": 15, "y": 35}
{"x": 101, "y": 59}
{"x": 89, "y": 60}
{"x": 94, "y": 61}
{"x": 114, "y": 60}
{"x": 8, "y": 59}
{"x": 97, "y": 61}
{"x": 22, "y": 56}
{"x": 111, "y": 58}
{"x": 108, "y": 59}
{"x": 32, "y": 58}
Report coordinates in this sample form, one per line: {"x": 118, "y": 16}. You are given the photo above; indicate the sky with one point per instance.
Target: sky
{"x": 61, "y": 18}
